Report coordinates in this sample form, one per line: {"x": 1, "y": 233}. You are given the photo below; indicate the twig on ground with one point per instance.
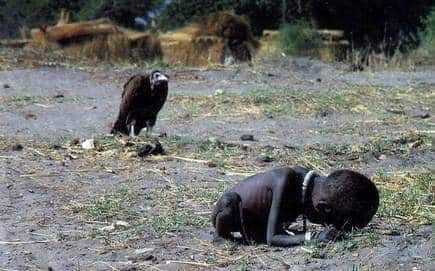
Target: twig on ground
{"x": 25, "y": 242}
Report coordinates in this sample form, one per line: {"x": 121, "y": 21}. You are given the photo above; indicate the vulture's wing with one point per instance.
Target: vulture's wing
{"x": 136, "y": 88}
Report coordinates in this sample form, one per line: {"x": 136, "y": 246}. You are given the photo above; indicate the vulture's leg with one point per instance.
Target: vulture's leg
{"x": 132, "y": 131}
{"x": 130, "y": 127}
{"x": 149, "y": 129}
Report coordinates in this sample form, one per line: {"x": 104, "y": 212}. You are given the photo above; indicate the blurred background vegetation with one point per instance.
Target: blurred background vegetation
{"x": 379, "y": 24}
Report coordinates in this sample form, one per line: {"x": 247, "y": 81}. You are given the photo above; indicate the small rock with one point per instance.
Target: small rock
{"x": 319, "y": 80}
{"x": 17, "y": 147}
{"x": 149, "y": 149}
{"x": 29, "y": 115}
{"x": 108, "y": 228}
{"x": 211, "y": 164}
{"x": 70, "y": 156}
{"x": 264, "y": 158}
{"x": 88, "y": 144}
{"x": 59, "y": 96}
{"x": 75, "y": 141}
{"x": 121, "y": 223}
{"x": 6, "y": 86}
{"x": 219, "y": 92}
{"x": 324, "y": 113}
{"x": 382, "y": 157}
{"x": 247, "y": 137}
{"x": 420, "y": 114}
{"x": 56, "y": 146}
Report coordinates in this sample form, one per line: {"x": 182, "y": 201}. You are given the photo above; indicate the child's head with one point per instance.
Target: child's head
{"x": 348, "y": 199}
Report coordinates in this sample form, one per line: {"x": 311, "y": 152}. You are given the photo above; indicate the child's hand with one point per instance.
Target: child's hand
{"x": 329, "y": 234}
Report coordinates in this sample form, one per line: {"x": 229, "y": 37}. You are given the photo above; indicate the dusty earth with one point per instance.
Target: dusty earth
{"x": 68, "y": 208}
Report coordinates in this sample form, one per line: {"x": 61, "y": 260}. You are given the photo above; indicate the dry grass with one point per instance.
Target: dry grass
{"x": 365, "y": 100}
{"x": 220, "y": 36}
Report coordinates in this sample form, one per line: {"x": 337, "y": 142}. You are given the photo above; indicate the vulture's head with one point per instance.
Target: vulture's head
{"x": 158, "y": 79}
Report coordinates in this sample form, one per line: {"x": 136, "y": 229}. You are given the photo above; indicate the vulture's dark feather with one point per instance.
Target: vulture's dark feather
{"x": 141, "y": 101}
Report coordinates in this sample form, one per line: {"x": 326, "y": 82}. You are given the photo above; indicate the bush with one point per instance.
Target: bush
{"x": 299, "y": 38}
{"x": 428, "y": 33}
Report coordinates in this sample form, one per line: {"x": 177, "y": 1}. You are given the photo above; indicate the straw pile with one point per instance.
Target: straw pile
{"x": 222, "y": 38}
{"x": 100, "y": 39}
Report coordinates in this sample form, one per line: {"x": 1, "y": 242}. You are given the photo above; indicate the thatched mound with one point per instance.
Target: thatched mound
{"x": 99, "y": 39}
{"x": 221, "y": 38}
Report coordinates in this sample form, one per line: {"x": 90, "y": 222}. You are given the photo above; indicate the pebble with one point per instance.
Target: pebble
{"x": 264, "y": 158}
{"x": 247, "y": 137}
{"x": 17, "y": 147}
{"x": 420, "y": 114}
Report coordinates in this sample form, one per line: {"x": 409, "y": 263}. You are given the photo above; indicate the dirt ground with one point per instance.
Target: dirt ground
{"x": 68, "y": 208}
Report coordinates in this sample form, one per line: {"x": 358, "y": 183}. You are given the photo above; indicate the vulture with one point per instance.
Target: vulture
{"x": 141, "y": 100}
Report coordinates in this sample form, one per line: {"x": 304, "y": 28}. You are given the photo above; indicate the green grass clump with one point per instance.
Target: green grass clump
{"x": 299, "y": 38}
{"x": 406, "y": 196}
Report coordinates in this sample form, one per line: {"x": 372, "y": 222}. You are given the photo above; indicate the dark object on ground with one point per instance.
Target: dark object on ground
{"x": 6, "y": 86}
{"x": 149, "y": 149}
{"x": 29, "y": 115}
{"x": 211, "y": 164}
{"x": 59, "y": 96}
{"x": 17, "y": 147}
{"x": 258, "y": 206}
{"x": 319, "y": 80}
{"x": 418, "y": 114}
{"x": 356, "y": 68}
{"x": 142, "y": 99}
{"x": 163, "y": 135}
{"x": 247, "y": 137}
{"x": 75, "y": 141}
{"x": 56, "y": 146}
{"x": 324, "y": 113}
{"x": 264, "y": 159}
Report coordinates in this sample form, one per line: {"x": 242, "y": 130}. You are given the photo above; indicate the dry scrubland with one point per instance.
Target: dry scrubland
{"x": 107, "y": 209}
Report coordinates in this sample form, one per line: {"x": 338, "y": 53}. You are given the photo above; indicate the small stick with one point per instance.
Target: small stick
{"x": 189, "y": 159}
{"x": 191, "y": 263}
{"x": 37, "y": 152}
{"x": 25, "y": 242}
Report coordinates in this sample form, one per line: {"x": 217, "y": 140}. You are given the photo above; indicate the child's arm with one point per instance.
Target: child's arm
{"x": 274, "y": 238}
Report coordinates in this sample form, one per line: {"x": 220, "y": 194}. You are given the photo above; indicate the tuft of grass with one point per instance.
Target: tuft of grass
{"x": 299, "y": 38}
{"x": 107, "y": 207}
{"x": 161, "y": 210}
{"x": 406, "y": 196}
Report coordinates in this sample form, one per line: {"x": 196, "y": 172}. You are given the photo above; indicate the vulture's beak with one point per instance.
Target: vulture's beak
{"x": 162, "y": 78}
